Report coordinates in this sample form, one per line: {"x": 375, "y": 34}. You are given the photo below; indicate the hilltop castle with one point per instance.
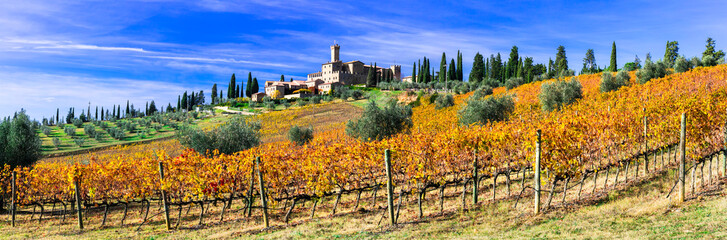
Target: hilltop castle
{"x": 332, "y": 74}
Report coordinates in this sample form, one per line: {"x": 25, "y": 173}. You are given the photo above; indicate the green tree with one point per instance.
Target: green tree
{"x": 672, "y": 52}
{"x": 589, "y": 62}
{"x": 379, "y": 123}
{"x": 477, "y": 69}
{"x": 481, "y": 108}
{"x": 214, "y": 94}
{"x": 19, "y": 143}
{"x": 248, "y": 87}
{"x": 710, "y": 57}
{"x": 152, "y": 108}
{"x": 414, "y": 72}
{"x": 614, "y": 66}
{"x": 255, "y": 86}
{"x": 512, "y": 62}
{"x": 460, "y": 76}
{"x": 555, "y": 95}
{"x": 282, "y": 78}
{"x": 452, "y": 73}
{"x": 185, "y": 99}
{"x": 231, "y": 88}
{"x": 237, "y": 134}
{"x": 443, "y": 69}
{"x": 561, "y": 62}
{"x": 300, "y": 136}
{"x": 370, "y": 79}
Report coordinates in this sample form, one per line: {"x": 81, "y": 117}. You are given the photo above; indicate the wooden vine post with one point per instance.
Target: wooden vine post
{"x": 475, "y": 179}
{"x": 536, "y": 170}
{"x": 78, "y": 203}
{"x": 389, "y": 187}
{"x": 263, "y": 198}
{"x": 12, "y": 207}
{"x": 164, "y": 195}
{"x": 646, "y": 144}
{"x": 682, "y": 157}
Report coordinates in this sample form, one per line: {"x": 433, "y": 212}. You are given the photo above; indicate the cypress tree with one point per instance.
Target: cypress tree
{"x": 477, "y": 69}
{"x": 184, "y": 100}
{"x": 126, "y": 114}
{"x": 614, "y": 66}
{"x": 58, "y": 113}
{"x": 419, "y": 76}
{"x": 376, "y": 74}
{"x": 443, "y": 68}
{"x": 370, "y": 80}
{"x": 255, "y": 86}
{"x": 512, "y": 62}
{"x": 282, "y": 78}
{"x": 102, "y": 115}
{"x": 220, "y": 95}
{"x": 231, "y": 87}
{"x": 452, "y": 74}
{"x": 460, "y": 76}
{"x": 248, "y": 88}
{"x": 95, "y": 117}
{"x": 237, "y": 91}
{"x": 146, "y": 109}
{"x": 214, "y": 93}
{"x": 414, "y": 72}
{"x": 179, "y": 103}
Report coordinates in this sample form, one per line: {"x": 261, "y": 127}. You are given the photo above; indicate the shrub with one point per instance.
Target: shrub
{"x": 46, "y": 130}
{"x": 490, "y": 82}
{"x": 98, "y": 137}
{"x": 380, "y": 123}
{"x": 611, "y": 83}
{"x": 514, "y": 82}
{"x": 89, "y": 130}
{"x": 19, "y": 143}
{"x": 77, "y": 122}
{"x": 433, "y": 97}
{"x": 117, "y": 133}
{"x": 555, "y": 95}
{"x": 481, "y": 109}
{"x": 300, "y": 136}
{"x": 357, "y": 94}
{"x": 695, "y": 62}
{"x": 79, "y": 141}
{"x": 651, "y": 70}
{"x": 682, "y": 65}
{"x": 237, "y": 134}
{"x": 70, "y": 130}
{"x": 443, "y": 102}
{"x": 57, "y": 143}
{"x": 315, "y": 100}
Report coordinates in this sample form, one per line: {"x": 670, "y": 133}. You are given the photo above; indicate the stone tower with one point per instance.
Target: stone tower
{"x": 334, "y": 53}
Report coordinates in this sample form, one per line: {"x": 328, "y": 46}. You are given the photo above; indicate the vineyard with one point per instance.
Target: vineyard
{"x": 632, "y": 128}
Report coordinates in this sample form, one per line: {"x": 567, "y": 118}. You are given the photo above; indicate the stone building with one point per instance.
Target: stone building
{"x": 350, "y": 73}
{"x": 332, "y": 74}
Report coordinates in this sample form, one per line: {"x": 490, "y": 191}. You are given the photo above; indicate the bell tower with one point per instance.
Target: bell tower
{"x": 334, "y": 52}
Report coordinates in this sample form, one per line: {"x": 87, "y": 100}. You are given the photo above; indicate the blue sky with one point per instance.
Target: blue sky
{"x": 69, "y": 53}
